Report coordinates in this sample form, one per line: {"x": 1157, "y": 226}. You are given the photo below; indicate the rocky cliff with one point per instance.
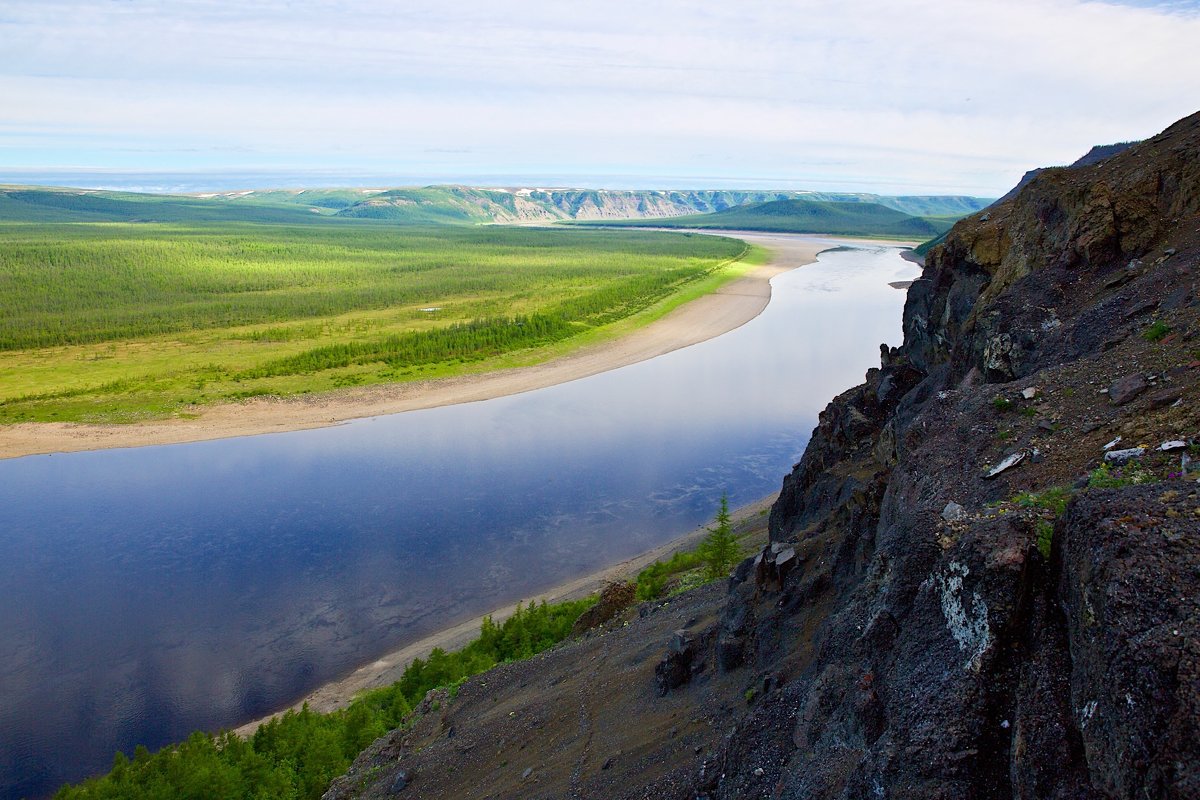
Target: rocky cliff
{"x": 984, "y": 575}
{"x": 989, "y": 631}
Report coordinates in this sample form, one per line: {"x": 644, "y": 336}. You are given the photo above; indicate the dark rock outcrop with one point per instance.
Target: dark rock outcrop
{"x": 615, "y": 598}
{"x": 677, "y": 665}
{"x": 1007, "y": 649}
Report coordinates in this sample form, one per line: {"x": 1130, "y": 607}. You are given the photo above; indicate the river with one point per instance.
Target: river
{"x": 148, "y": 592}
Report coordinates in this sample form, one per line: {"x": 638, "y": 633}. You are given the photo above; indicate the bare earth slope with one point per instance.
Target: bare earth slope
{"x": 927, "y": 622}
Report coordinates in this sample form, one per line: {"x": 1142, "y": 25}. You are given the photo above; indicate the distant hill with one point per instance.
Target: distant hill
{"x": 929, "y": 206}
{"x": 812, "y": 216}
{"x": 43, "y": 204}
{"x": 451, "y": 204}
{"x": 317, "y": 199}
{"x": 468, "y": 204}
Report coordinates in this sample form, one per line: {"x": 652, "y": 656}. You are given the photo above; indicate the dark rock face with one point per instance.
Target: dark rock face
{"x": 615, "y": 598}
{"x": 1128, "y": 566}
{"x": 993, "y": 654}
{"x": 686, "y": 657}
{"x": 675, "y": 669}
{"x": 1125, "y": 389}
{"x": 1065, "y": 225}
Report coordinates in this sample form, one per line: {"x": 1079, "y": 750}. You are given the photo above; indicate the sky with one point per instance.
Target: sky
{"x": 892, "y": 97}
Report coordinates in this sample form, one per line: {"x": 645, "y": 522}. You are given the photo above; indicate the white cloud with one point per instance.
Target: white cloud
{"x": 908, "y": 96}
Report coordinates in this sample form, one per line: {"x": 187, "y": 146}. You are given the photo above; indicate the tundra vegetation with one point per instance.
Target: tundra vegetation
{"x": 712, "y": 560}
{"x": 296, "y": 755}
{"x": 118, "y": 322}
{"x": 720, "y": 549}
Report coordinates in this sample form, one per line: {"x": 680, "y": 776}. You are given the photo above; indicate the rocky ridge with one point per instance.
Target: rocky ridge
{"x": 983, "y": 579}
{"x": 464, "y": 203}
{"x": 1096, "y": 155}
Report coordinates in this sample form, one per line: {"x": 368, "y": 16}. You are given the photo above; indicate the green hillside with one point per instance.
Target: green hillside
{"x": 808, "y": 216}
{"x": 37, "y": 204}
{"x": 329, "y": 200}
{"x": 936, "y": 206}
{"x": 923, "y": 249}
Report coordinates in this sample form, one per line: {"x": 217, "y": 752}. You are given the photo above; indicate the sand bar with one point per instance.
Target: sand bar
{"x": 729, "y": 307}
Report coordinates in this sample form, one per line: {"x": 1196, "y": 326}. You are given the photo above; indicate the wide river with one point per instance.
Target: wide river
{"x": 148, "y": 592}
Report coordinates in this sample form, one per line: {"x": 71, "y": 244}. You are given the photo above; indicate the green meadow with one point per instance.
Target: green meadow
{"x": 119, "y": 322}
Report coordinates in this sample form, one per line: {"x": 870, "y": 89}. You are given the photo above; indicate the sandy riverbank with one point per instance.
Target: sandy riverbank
{"x": 750, "y": 524}
{"x": 729, "y": 307}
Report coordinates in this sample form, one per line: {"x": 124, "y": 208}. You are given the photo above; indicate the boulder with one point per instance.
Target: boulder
{"x": 400, "y": 781}
{"x": 1122, "y": 390}
{"x": 1118, "y": 457}
{"x": 675, "y": 668}
{"x": 953, "y": 512}
{"x": 772, "y": 565}
{"x": 1008, "y": 462}
{"x": 614, "y": 598}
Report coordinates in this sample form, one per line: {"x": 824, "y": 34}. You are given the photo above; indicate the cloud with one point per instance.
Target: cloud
{"x": 922, "y": 95}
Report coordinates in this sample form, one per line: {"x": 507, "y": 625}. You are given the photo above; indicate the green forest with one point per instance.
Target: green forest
{"x": 296, "y": 755}
{"x": 116, "y": 322}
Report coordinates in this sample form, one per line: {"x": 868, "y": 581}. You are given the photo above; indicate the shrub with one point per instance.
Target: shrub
{"x": 720, "y": 549}
{"x": 653, "y": 579}
{"x": 1045, "y": 536}
{"x": 1053, "y": 499}
{"x": 1157, "y": 331}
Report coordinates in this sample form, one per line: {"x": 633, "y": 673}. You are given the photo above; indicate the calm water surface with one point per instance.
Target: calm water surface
{"x": 149, "y": 592}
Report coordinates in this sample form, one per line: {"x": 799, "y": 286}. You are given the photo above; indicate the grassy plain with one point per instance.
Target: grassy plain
{"x": 115, "y": 322}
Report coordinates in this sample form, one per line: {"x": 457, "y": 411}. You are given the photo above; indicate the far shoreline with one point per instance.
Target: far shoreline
{"x": 728, "y": 307}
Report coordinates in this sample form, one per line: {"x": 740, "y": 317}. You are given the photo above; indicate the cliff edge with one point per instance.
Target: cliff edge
{"x": 983, "y": 579}
{"x": 1005, "y": 608}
